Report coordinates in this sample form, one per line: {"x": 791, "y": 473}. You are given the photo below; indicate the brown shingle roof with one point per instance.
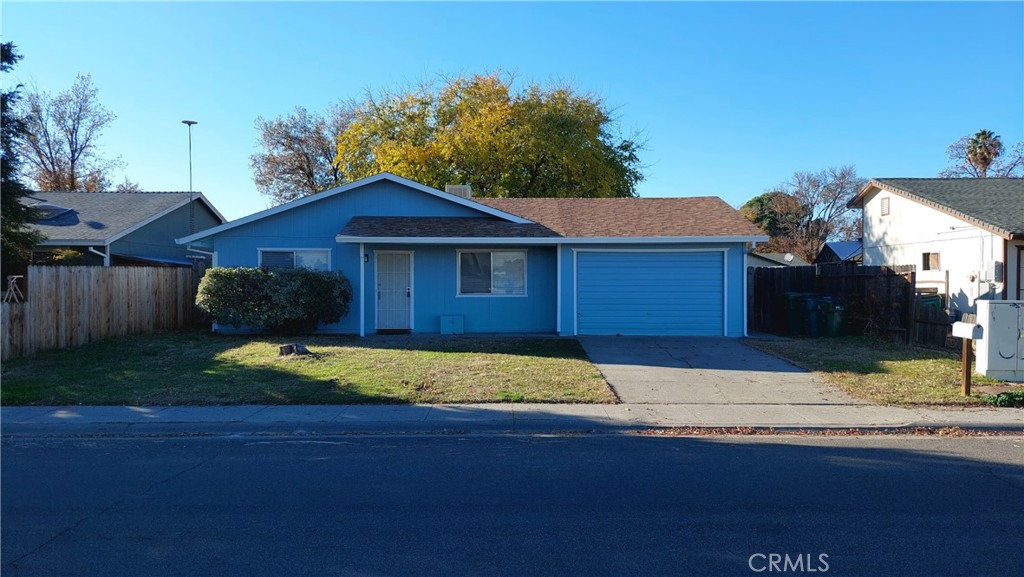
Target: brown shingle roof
{"x": 441, "y": 227}
{"x": 630, "y": 217}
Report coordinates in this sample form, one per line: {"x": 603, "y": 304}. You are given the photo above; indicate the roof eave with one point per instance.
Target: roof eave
{"x": 1007, "y": 234}
{"x": 551, "y": 240}
{"x": 73, "y": 242}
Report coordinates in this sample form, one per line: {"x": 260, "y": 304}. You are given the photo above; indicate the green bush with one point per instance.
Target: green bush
{"x": 288, "y": 301}
{"x": 1005, "y": 399}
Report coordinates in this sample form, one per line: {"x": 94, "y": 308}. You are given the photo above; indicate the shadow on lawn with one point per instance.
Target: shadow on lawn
{"x": 174, "y": 368}
{"x": 860, "y": 355}
{"x": 199, "y": 368}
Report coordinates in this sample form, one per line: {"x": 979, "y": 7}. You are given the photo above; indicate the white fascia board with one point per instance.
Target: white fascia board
{"x": 345, "y": 188}
{"x": 661, "y": 239}
{"x": 551, "y": 241}
{"x": 59, "y": 242}
{"x": 446, "y": 240}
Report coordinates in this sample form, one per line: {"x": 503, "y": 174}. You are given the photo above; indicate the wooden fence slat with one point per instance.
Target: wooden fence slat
{"x": 72, "y": 306}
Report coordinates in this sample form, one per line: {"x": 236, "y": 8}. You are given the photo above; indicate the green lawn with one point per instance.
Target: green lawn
{"x": 193, "y": 368}
{"x": 879, "y": 371}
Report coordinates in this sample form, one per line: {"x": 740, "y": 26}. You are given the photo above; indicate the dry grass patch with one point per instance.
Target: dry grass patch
{"x": 879, "y": 371}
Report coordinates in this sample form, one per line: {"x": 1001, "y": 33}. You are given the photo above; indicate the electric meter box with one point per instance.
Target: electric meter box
{"x": 1000, "y": 352}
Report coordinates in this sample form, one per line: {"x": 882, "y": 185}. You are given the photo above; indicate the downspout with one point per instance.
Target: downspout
{"x": 362, "y": 291}
{"x": 746, "y": 297}
{"x": 106, "y": 255}
{"x": 558, "y": 289}
{"x": 1006, "y": 267}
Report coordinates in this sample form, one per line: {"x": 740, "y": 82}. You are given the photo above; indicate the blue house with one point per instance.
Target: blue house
{"x": 426, "y": 261}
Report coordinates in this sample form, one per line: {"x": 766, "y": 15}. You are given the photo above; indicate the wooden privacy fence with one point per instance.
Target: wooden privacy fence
{"x": 873, "y": 298}
{"x": 71, "y": 306}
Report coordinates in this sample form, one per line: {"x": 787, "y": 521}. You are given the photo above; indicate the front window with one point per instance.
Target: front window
{"x": 311, "y": 259}
{"x": 492, "y": 272}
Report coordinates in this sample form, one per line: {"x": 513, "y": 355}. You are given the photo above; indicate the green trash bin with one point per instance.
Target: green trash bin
{"x": 812, "y": 320}
{"x": 831, "y": 316}
{"x": 796, "y": 313}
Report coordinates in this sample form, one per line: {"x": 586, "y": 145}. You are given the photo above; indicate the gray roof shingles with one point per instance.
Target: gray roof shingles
{"x": 98, "y": 216}
{"x": 997, "y": 203}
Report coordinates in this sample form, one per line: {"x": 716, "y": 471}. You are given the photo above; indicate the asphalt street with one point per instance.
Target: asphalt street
{"x": 597, "y": 505}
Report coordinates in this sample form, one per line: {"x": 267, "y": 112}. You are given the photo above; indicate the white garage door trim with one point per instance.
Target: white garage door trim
{"x": 576, "y": 288}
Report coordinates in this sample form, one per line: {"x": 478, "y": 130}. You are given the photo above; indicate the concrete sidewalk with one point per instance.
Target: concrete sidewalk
{"x": 485, "y": 418}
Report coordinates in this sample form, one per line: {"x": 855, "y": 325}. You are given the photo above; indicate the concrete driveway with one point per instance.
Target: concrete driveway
{"x": 704, "y": 371}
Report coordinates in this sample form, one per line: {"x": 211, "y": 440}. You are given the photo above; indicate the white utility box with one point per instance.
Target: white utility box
{"x": 1000, "y": 351}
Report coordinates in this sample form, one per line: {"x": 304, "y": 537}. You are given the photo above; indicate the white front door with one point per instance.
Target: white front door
{"x": 394, "y": 291}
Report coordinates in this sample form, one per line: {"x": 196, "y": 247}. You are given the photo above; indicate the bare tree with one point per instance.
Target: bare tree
{"x": 128, "y": 186}
{"x": 297, "y": 156}
{"x": 983, "y": 155}
{"x": 800, "y": 216}
{"x": 62, "y": 134}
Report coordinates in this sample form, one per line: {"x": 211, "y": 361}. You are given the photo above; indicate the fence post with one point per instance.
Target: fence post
{"x": 908, "y": 291}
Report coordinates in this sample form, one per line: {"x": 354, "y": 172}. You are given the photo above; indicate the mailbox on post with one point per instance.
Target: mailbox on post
{"x": 968, "y": 332}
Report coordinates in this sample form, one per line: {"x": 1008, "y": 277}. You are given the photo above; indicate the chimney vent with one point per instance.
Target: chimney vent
{"x": 462, "y": 190}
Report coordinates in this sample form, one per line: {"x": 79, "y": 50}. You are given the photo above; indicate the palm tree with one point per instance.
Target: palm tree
{"x": 982, "y": 150}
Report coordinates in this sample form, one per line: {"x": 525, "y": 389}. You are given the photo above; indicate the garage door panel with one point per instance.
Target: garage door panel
{"x": 653, "y": 293}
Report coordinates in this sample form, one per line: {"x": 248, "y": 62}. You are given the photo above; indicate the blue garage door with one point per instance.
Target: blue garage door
{"x": 650, "y": 293}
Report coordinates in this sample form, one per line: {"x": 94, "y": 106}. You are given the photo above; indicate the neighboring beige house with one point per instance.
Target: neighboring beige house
{"x": 965, "y": 235}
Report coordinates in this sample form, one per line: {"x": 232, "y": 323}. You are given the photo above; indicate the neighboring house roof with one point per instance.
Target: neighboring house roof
{"x": 845, "y": 249}
{"x": 996, "y": 204}
{"x": 442, "y": 227}
{"x": 780, "y": 258}
{"x": 702, "y": 216}
{"x": 345, "y": 188}
{"x": 98, "y": 218}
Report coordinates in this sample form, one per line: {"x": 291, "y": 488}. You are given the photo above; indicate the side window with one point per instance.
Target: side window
{"x": 930, "y": 261}
{"x": 312, "y": 259}
{"x": 885, "y": 206}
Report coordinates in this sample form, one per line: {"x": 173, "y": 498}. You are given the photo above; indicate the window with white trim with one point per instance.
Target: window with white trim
{"x": 930, "y": 261}
{"x": 492, "y": 272}
{"x": 885, "y": 206}
{"x": 311, "y": 259}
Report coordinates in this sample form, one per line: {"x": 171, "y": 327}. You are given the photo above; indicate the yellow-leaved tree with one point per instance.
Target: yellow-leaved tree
{"x": 477, "y": 130}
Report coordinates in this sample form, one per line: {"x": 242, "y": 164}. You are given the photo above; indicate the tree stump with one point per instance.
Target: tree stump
{"x": 293, "y": 349}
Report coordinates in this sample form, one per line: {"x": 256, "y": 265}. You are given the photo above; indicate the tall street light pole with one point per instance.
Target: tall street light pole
{"x": 191, "y": 205}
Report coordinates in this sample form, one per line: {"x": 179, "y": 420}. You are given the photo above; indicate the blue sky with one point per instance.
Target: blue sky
{"x": 731, "y": 98}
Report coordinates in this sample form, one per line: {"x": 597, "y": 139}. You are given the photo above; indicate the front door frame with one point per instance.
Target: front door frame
{"x": 412, "y": 287}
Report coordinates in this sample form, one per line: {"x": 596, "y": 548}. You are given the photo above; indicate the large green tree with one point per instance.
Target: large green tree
{"x": 16, "y": 238}
{"x": 801, "y": 215}
{"x": 477, "y": 130}
{"x": 983, "y": 155}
